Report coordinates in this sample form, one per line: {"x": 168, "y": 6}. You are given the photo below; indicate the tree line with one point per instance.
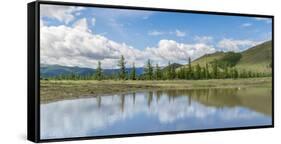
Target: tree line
{"x": 217, "y": 69}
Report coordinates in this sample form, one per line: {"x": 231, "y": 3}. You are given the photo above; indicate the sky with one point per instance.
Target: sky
{"x": 82, "y": 36}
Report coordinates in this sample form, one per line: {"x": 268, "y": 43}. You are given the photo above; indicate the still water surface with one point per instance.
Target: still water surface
{"x": 156, "y": 111}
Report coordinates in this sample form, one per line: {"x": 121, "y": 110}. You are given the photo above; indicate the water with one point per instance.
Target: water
{"x": 156, "y": 111}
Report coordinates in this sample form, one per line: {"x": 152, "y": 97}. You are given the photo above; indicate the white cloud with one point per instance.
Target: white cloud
{"x": 246, "y": 25}
{"x": 170, "y": 50}
{"x": 155, "y": 33}
{"x": 177, "y": 33}
{"x": 61, "y": 13}
{"x": 203, "y": 39}
{"x": 93, "y": 21}
{"x": 180, "y": 33}
{"x": 267, "y": 20}
{"x": 81, "y": 24}
{"x": 236, "y": 45}
{"x": 76, "y": 45}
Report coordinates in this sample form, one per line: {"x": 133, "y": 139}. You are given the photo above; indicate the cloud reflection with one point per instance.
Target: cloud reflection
{"x": 160, "y": 111}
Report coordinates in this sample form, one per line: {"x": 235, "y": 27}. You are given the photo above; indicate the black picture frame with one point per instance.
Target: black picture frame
{"x": 33, "y": 105}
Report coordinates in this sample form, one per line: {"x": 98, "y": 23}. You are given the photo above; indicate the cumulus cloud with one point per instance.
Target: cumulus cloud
{"x": 63, "y": 14}
{"x": 77, "y": 45}
{"x": 170, "y": 50}
{"x": 236, "y": 45}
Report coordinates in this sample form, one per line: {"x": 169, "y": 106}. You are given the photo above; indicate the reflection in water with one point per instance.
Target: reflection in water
{"x": 156, "y": 111}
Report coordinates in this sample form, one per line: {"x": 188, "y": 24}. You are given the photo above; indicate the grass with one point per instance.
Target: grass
{"x": 54, "y": 90}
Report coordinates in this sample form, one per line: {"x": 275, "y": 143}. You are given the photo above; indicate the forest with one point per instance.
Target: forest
{"x": 224, "y": 68}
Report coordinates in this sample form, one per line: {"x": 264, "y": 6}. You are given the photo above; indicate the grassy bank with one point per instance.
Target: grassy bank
{"x": 54, "y": 90}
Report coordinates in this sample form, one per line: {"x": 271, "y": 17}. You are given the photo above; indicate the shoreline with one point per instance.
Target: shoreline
{"x": 56, "y": 90}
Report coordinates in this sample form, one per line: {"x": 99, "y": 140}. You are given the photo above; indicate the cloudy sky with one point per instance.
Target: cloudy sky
{"x": 82, "y": 36}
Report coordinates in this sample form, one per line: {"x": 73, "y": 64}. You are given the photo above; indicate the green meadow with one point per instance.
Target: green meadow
{"x": 54, "y": 90}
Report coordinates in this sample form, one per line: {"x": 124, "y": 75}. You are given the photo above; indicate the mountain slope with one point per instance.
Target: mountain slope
{"x": 174, "y": 65}
{"x": 257, "y": 58}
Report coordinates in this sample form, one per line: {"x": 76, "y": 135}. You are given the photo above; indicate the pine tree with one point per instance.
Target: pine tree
{"x": 133, "y": 72}
{"x": 181, "y": 73}
{"x": 203, "y": 73}
{"x": 168, "y": 71}
{"x": 207, "y": 74}
{"x": 122, "y": 71}
{"x": 148, "y": 70}
{"x": 158, "y": 73}
{"x": 173, "y": 72}
{"x": 215, "y": 69}
{"x": 190, "y": 70}
{"x": 98, "y": 74}
{"x": 197, "y": 72}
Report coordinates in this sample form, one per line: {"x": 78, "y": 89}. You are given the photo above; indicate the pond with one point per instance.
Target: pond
{"x": 156, "y": 111}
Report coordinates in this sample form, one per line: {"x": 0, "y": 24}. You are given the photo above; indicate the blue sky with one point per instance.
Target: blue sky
{"x": 146, "y": 29}
{"x": 136, "y": 26}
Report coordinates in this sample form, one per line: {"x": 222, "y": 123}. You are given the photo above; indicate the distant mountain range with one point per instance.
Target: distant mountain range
{"x": 257, "y": 58}
{"x": 56, "y": 70}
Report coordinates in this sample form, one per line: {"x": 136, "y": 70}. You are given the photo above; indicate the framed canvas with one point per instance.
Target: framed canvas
{"x": 104, "y": 71}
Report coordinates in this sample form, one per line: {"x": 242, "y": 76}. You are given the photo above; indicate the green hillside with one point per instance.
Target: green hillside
{"x": 257, "y": 58}
{"x": 173, "y": 65}
{"x": 206, "y": 59}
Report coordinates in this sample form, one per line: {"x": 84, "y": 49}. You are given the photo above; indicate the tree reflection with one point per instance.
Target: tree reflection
{"x": 258, "y": 100}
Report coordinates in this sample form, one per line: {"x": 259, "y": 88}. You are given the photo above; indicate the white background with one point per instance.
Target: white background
{"x": 13, "y": 72}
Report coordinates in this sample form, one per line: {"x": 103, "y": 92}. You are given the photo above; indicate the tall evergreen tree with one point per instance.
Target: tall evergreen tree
{"x": 207, "y": 74}
{"x": 122, "y": 68}
{"x": 215, "y": 69}
{"x": 158, "y": 73}
{"x": 148, "y": 70}
{"x": 173, "y": 72}
{"x": 98, "y": 73}
{"x": 190, "y": 70}
{"x": 133, "y": 72}
{"x": 168, "y": 72}
{"x": 197, "y": 73}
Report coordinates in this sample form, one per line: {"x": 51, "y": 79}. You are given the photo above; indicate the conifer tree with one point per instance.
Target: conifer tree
{"x": 122, "y": 68}
{"x": 133, "y": 72}
{"x": 158, "y": 73}
{"x": 215, "y": 69}
{"x": 98, "y": 74}
{"x": 148, "y": 70}
{"x": 197, "y": 72}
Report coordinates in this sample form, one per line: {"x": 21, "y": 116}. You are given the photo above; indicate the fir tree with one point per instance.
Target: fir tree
{"x": 133, "y": 72}
{"x": 148, "y": 70}
{"x": 98, "y": 73}
{"x": 158, "y": 73}
{"x": 122, "y": 71}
